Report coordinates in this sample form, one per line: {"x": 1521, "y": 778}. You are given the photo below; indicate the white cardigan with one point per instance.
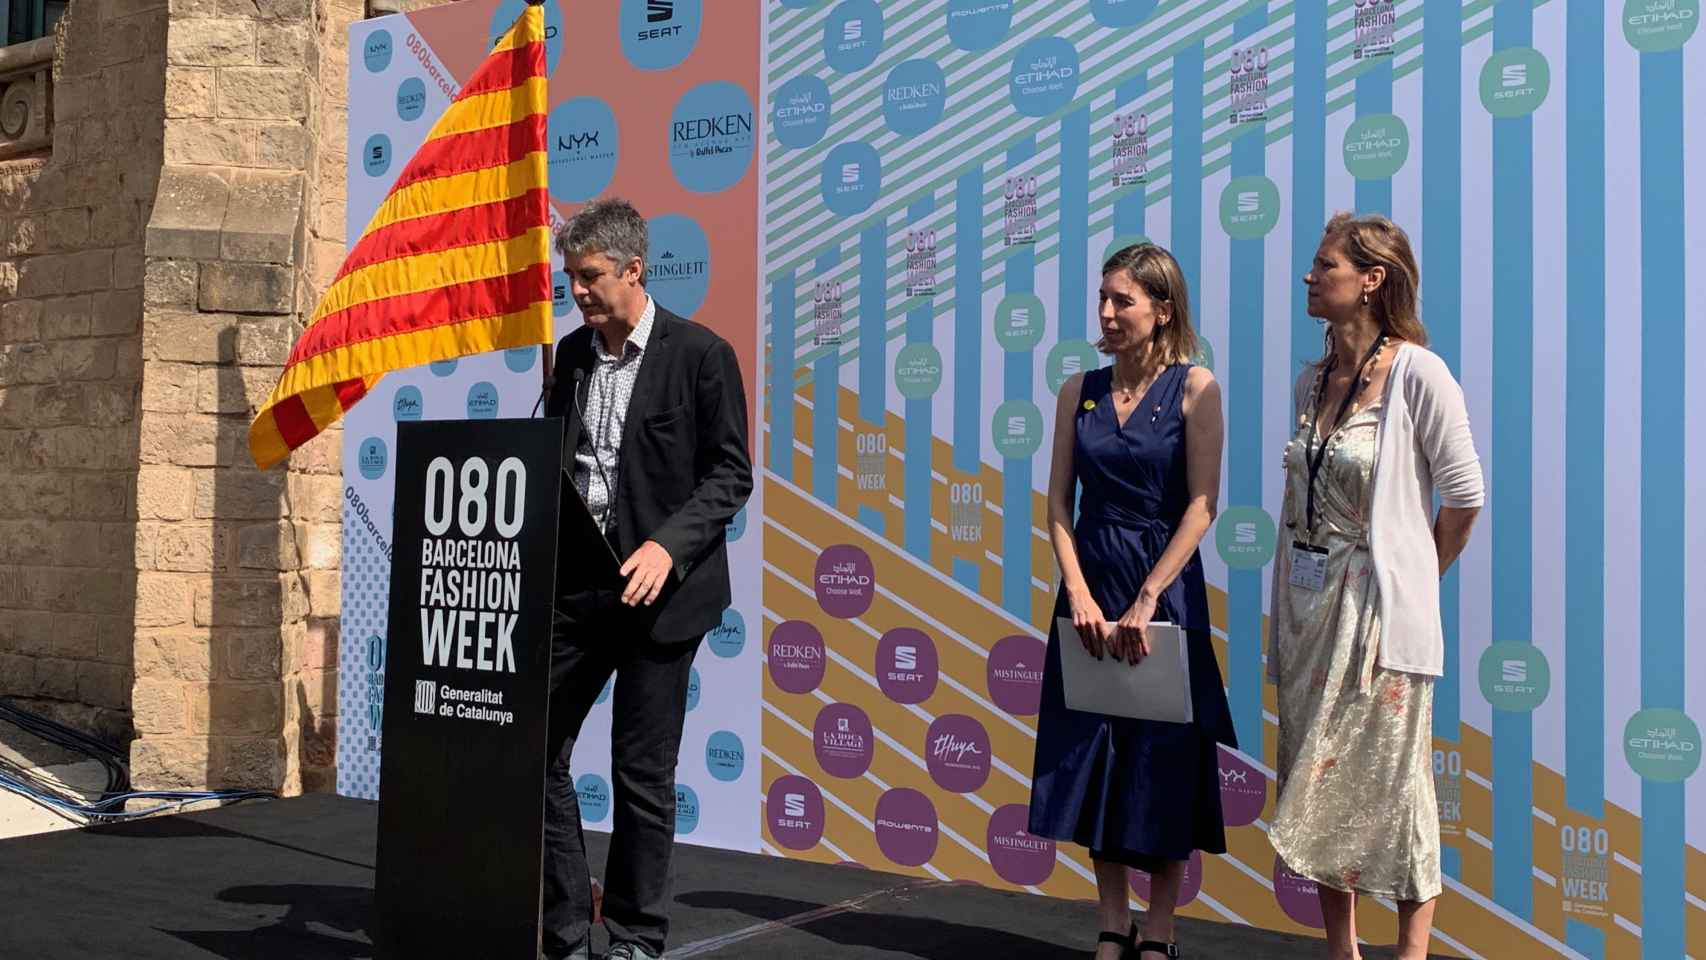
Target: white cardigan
{"x": 1423, "y": 444}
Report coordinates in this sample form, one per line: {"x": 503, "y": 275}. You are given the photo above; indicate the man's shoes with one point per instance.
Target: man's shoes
{"x": 629, "y": 950}
{"x": 582, "y": 952}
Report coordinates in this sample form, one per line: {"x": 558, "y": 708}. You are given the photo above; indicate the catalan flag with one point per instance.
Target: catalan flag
{"x": 455, "y": 261}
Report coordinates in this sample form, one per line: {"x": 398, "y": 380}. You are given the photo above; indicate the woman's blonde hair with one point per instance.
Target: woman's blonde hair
{"x": 1155, "y": 271}
{"x": 1370, "y": 240}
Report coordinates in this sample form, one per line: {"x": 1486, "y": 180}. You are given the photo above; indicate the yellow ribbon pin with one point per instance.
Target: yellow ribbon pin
{"x": 1089, "y": 404}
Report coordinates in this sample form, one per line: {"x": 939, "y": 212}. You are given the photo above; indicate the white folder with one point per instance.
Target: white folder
{"x": 1159, "y": 688}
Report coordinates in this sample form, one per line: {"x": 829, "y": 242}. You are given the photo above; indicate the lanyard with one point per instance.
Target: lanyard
{"x": 1320, "y": 453}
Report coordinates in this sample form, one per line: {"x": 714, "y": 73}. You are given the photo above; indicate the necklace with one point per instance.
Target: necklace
{"x": 1125, "y": 393}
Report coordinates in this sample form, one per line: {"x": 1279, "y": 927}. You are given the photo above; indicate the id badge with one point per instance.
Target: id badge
{"x": 1308, "y": 566}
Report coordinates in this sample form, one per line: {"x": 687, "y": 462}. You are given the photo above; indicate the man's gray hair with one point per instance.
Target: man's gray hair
{"x": 611, "y": 226}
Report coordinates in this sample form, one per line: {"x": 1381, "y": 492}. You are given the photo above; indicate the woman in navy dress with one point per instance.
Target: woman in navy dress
{"x": 1141, "y": 439}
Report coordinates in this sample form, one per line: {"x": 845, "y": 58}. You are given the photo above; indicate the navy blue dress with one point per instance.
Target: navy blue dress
{"x": 1136, "y": 792}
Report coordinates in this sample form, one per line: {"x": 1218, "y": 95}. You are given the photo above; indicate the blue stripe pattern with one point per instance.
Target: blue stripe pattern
{"x": 1020, "y": 268}
{"x": 1664, "y": 648}
{"x": 782, "y": 384}
{"x": 826, "y": 405}
{"x": 1308, "y": 169}
{"x": 1131, "y": 203}
{"x": 1374, "y": 96}
{"x": 1186, "y": 178}
{"x": 1442, "y": 291}
{"x": 1584, "y": 438}
{"x": 873, "y": 323}
{"x": 1512, "y": 470}
{"x": 968, "y": 321}
{"x": 1073, "y": 269}
{"x": 1245, "y": 358}
{"x": 920, "y": 431}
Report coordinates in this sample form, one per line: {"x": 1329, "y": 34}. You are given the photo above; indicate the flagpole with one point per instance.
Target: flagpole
{"x": 545, "y": 379}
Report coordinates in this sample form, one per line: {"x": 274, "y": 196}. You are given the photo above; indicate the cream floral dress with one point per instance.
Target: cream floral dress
{"x": 1356, "y": 807}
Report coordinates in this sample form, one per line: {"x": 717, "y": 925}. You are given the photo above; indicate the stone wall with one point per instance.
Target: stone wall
{"x": 157, "y": 263}
{"x": 236, "y": 639}
{"x": 71, "y": 271}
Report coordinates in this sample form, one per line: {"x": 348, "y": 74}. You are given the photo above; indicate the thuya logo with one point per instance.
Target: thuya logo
{"x": 426, "y": 696}
{"x": 793, "y": 805}
{"x": 850, "y": 173}
{"x": 906, "y": 658}
{"x": 1244, "y": 533}
{"x": 1514, "y": 75}
{"x": 660, "y": 11}
{"x": 1514, "y": 671}
{"x": 852, "y": 31}
{"x": 1249, "y": 201}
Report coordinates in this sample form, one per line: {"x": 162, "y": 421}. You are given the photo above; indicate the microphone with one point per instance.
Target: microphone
{"x": 546, "y": 383}
{"x": 575, "y": 395}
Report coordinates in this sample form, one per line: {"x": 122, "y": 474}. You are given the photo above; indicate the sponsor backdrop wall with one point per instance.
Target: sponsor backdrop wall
{"x": 935, "y": 184}
{"x": 942, "y": 179}
{"x": 654, "y": 101}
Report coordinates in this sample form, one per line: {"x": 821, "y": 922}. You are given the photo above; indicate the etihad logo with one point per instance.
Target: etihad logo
{"x": 1045, "y": 70}
{"x": 844, "y": 575}
{"x": 801, "y": 104}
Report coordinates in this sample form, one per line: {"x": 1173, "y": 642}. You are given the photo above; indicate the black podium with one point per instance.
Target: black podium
{"x": 467, "y": 688}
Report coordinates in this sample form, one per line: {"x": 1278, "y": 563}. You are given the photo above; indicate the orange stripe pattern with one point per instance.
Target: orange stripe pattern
{"x": 455, "y": 261}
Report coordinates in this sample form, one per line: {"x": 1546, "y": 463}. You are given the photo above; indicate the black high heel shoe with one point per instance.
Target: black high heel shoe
{"x": 1124, "y": 940}
{"x": 1168, "y": 950}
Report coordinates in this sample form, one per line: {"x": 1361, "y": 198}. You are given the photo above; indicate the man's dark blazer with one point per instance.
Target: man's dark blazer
{"x": 683, "y": 469}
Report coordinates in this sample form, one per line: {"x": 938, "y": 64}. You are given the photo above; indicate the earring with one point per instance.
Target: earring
{"x": 1365, "y": 298}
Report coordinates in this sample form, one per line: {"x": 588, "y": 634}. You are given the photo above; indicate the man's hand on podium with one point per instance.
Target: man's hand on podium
{"x": 646, "y": 569}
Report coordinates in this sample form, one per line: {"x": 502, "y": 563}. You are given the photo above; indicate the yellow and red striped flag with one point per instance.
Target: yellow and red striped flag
{"x": 455, "y": 261}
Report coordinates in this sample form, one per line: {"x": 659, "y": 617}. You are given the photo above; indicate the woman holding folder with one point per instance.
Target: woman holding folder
{"x": 1140, "y": 441}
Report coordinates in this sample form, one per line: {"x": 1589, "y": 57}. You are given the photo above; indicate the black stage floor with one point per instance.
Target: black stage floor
{"x": 294, "y": 879}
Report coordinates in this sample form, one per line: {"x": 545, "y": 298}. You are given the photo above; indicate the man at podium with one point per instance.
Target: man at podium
{"x": 656, "y": 447}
